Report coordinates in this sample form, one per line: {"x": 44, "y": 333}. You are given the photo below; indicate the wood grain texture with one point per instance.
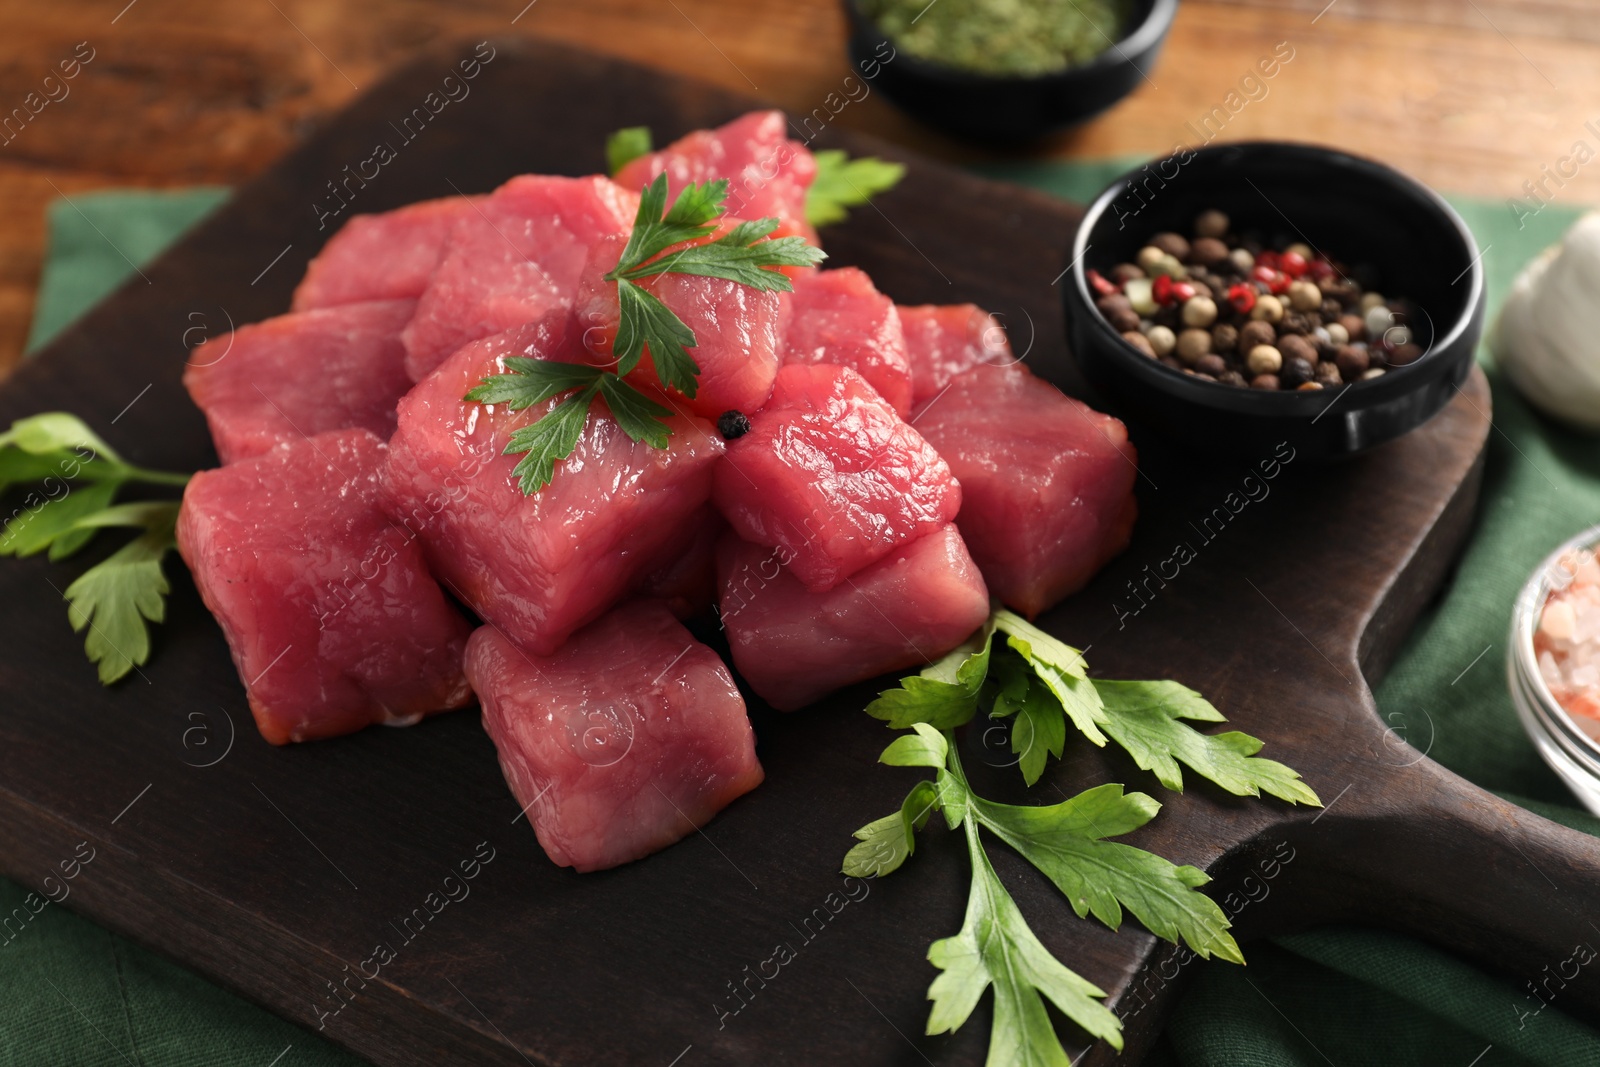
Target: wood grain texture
{"x": 1471, "y": 98}
{"x": 277, "y": 871}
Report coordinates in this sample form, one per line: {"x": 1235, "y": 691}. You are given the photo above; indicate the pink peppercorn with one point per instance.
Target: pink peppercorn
{"x": 1242, "y": 297}
{"x": 1101, "y": 285}
{"x": 1162, "y": 290}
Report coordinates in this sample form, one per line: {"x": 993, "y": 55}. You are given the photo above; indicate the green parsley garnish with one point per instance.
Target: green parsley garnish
{"x": 843, "y": 183}
{"x": 742, "y": 255}
{"x": 625, "y": 146}
{"x": 1042, "y": 686}
{"x": 77, "y": 475}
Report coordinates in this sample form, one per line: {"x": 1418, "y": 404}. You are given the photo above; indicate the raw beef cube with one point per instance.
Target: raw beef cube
{"x": 538, "y": 567}
{"x": 832, "y": 475}
{"x": 794, "y": 646}
{"x": 686, "y": 580}
{"x": 1046, "y": 481}
{"x": 382, "y": 257}
{"x": 330, "y": 613}
{"x": 836, "y": 316}
{"x": 735, "y": 329}
{"x": 511, "y": 261}
{"x": 628, "y": 739}
{"x": 768, "y": 174}
{"x": 301, "y": 374}
{"x": 942, "y": 340}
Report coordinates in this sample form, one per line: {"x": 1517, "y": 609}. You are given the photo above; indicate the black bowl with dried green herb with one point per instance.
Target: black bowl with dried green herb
{"x": 1006, "y": 70}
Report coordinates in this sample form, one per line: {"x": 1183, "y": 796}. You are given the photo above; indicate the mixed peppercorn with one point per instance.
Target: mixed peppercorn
{"x": 1228, "y": 309}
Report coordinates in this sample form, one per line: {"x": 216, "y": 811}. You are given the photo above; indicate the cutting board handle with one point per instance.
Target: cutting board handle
{"x": 1419, "y": 849}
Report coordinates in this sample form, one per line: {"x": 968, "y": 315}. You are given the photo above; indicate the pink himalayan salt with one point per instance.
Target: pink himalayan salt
{"x": 1568, "y": 639}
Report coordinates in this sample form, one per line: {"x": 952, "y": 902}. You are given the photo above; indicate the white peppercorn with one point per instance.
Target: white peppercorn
{"x": 1161, "y": 339}
{"x": 1305, "y": 296}
{"x": 1199, "y": 311}
{"x": 1264, "y": 359}
{"x": 1268, "y": 309}
{"x": 1378, "y": 319}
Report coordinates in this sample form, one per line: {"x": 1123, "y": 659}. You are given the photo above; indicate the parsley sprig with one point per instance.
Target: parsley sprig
{"x": 1041, "y": 685}
{"x": 843, "y": 183}
{"x": 76, "y": 477}
{"x": 626, "y": 145}
{"x": 741, "y": 255}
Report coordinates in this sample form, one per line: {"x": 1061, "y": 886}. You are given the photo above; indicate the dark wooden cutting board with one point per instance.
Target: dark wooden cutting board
{"x": 278, "y": 871}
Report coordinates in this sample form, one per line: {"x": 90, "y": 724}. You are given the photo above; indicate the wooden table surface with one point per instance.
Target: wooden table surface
{"x": 1476, "y": 97}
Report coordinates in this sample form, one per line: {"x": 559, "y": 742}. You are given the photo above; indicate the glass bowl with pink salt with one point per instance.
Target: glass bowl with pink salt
{"x": 1554, "y": 663}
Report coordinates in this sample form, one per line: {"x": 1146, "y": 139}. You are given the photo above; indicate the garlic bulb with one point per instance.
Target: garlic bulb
{"x": 1547, "y": 338}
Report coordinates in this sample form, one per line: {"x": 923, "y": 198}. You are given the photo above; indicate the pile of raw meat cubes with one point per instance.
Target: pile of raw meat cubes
{"x": 894, "y": 468}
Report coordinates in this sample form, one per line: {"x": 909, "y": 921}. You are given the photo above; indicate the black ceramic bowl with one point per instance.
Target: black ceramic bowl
{"x": 1355, "y": 210}
{"x": 1001, "y": 109}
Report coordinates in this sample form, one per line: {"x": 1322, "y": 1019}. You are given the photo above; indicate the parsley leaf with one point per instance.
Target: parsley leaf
{"x": 115, "y": 598}
{"x": 944, "y": 695}
{"x": 645, "y": 321}
{"x": 887, "y": 842}
{"x": 1062, "y": 670}
{"x": 1040, "y": 730}
{"x": 657, "y": 228}
{"x": 78, "y": 476}
{"x": 740, "y": 255}
{"x": 1146, "y": 718}
{"x": 638, "y": 415}
{"x": 923, "y": 747}
{"x": 52, "y": 523}
{"x": 626, "y": 145}
{"x": 843, "y": 183}
{"x": 1067, "y": 842}
{"x": 532, "y": 381}
{"x": 996, "y": 948}
{"x": 553, "y": 437}
{"x": 56, "y": 431}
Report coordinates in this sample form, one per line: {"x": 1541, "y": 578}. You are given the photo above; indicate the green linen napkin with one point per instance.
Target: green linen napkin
{"x": 1342, "y": 996}
{"x": 95, "y": 240}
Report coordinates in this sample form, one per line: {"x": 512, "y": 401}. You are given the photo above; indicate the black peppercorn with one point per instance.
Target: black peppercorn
{"x": 1352, "y": 361}
{"x": 1295, "y": 370}
{"x": 733, "y": 425}
{"x": 1173, "y": 244}
{"x": 1255, "y": 333}
{"x": 1295, "y": 346}
{"x": 1208, "y": 251}
{"x": 1296, "y": 322}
